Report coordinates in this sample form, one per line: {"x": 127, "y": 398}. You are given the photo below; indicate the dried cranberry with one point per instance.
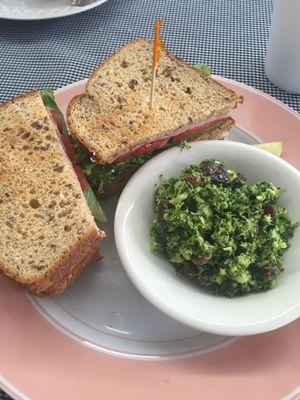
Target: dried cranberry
{"x": 194, "y": 180}
{"x": 199, "y": 281}
{"x": 161, "y": 209}
{"x": 190, "y": 270}
{"x": 268, "y": 271}
{"x": 216, "y": 173}
{"x": 269, "y": 209}
{"x": 239, "y": 182}
{"x": 204, "y": 259}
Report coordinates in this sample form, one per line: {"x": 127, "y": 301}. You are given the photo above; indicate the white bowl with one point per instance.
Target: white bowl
{"x": 155, "y": 277}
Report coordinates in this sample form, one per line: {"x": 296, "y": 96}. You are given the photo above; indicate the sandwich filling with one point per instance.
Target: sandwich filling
{"x": 188, "y": 132}
{"x": 108, "y": 178}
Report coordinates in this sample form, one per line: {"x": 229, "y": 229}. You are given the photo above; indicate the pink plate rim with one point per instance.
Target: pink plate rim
{"x": 40, "y": 362}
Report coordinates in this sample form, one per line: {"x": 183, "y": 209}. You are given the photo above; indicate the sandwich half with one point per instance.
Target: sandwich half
{"x": 115, "y": 129}
{"x": 48, "y": 234}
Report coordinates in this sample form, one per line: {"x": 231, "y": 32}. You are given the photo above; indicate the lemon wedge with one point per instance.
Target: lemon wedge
{"x": 272, "y": 147}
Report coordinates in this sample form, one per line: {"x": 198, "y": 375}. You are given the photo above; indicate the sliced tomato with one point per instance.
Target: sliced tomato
{"x": 145, "y": 148}
{"x": 160, "y": 143}
{"x": 58, "y": 119}
{"x": 72, "y": 156}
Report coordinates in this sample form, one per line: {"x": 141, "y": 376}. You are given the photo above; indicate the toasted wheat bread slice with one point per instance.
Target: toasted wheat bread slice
{"x": 48, "y": 234}
{"x": 115, "y": 117}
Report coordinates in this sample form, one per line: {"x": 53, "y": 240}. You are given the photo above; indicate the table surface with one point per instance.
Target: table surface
{"x": 228, "y": 35}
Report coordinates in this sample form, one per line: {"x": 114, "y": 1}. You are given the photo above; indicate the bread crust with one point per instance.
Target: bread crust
{"x": 218, "y": 132}
{"x": 67, "y": 269}
{"x": 7, "y": 103}
{"x": 71, "y": 126}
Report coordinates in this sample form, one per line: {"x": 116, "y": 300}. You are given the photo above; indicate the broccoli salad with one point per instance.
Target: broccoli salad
{"x": 219, "y": 231}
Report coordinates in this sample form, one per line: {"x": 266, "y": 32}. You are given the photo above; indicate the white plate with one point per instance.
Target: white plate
{"x": 41, "y": 9}
{"x": 103, "y": 310}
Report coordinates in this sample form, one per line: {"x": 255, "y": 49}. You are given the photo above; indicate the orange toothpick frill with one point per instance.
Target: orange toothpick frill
{"x": 157, "y": 47}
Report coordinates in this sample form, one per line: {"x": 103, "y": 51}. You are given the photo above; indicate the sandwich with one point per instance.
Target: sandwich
{"x": 48, "y": 233}
{"x": 114, "y": 129}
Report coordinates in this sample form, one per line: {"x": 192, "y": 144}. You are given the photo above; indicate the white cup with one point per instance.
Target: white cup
{"x": 283, "y": 53}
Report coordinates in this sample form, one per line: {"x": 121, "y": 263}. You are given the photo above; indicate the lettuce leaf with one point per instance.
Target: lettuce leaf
{"x": 98, "y": 174}
{"x": 49, "y": 101}
{"x": 94, "y": 205}
{"x": 204, "y": 68}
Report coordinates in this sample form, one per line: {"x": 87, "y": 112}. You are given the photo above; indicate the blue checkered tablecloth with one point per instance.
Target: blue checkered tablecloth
{"x": 228, "y": 35}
